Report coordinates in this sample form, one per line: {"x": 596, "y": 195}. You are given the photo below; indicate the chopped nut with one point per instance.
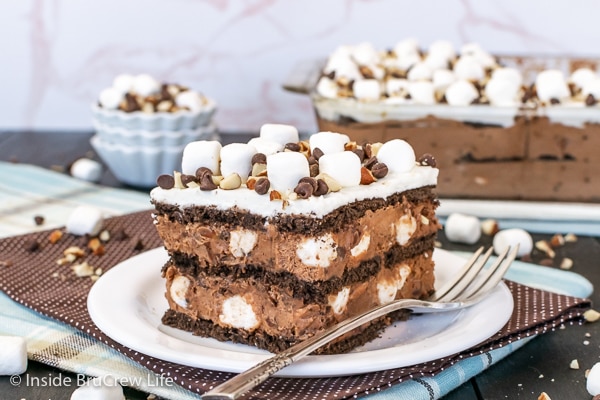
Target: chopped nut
{"x": 591, "y": 315}
{"x": 570, "y": 238}
{"x": 332, "y": 184}
{"x": 574, "y": 364}
{"x": 490, "y": 227}
{"x": 251, "y": 182}
{"x": 566, "y": 263}
{"x": 543, "y": 245}
{"x": 217, "y": 179}
{"x": 371, "y": 149}
{"x": 104, "y": 236}
{"x": 96, "y": 246}
{"x": 544, "y": 396}
{"x": 83, "y": 269}
{"x": 55, "y": 236}
{"x": 480, "y": 180}
{"x": 230, "y": 182}
{"x": 350, "y": 146}
{"x": 177, "y": 178}
{"x": 74, "y": 251}
{"x": 98, "y": 271}
{"x": 366, "y": 177}
{"x": 274, "y": 195}
{"x": 424, "y": 220}
{"x": 258, "y": 168}
{"x": 557, "y": 240}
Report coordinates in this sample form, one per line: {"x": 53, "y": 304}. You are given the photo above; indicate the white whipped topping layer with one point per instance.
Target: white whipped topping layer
{"x": 316, "y": 207}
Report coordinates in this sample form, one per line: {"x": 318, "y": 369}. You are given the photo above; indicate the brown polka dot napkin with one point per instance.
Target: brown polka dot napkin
{"x": 31, "y": 274}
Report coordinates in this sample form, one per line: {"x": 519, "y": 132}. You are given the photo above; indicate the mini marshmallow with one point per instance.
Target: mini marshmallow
{"x": 344, "y": 167}
{"x": 99, "y": 388}
{"x": 110, "y": 98}
{"x": 441, "y": 79}
{"x": 145, "y": 85}
{"x": 285, "y": 169}
{"x": 343, "y": 66}
{"x": 190, "y": 99}
{"x": 512, "y": 237}
{"x": 280, "y": 133}
{"x": 398, "y": 155}
{"x": 327, "y": 88}
{"x": 512, "y": 75}
{"x": 582, "y": 76}
{"x": 420, "y": 72}
{"x": 367, "y": 89}
{"x": 13, "y": 355}
{"x": 237, "y": 158}
{"x": 468, "y": 68}
{"x": 592, "y": 87}
{"x": 461, "y": 228}
{"x": 406, "y": 47}
{"x": 461, "y": 93}
{"x": 396, "y": 87}
{"x": 593, "y": 380}
{"x": 421, "y": 92}
{"x": 201, "y": 153}
{"x": 442, "y": 49}
{"x": 365, "y": 54}
{"x": 85, "y": 220}
{"x": 86, "y": 169}
{"x": 265, "y": 146}
{"x": 436, "y": 61}
{"x": 551, "y": 84}
{"x": 123, "y": 83}
{"x": 502, "y": 92}
{"x": 403, "y": 62}
{"x": 328, "y": 142}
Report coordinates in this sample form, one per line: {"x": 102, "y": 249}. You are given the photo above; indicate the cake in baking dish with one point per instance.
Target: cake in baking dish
{"x": 274, "y": 240}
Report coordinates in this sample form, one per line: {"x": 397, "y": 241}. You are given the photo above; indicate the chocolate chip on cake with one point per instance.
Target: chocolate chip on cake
{"x": 304, "y": 190}
{"x": 322, "y": 188}
{"x": 317, "y": 153}
{"x": 292, "y": 147}
{"x": 379, "y": 170}
{"x": 259, "y": 158}
{"x": 427, "y": 160}
{"x": 39, "y": 220}
{"x": 165, "y": 181}
{"x": 262, "y": 186}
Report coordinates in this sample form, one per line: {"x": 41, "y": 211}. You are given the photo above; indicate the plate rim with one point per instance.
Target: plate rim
{"x": 227, "y": 360}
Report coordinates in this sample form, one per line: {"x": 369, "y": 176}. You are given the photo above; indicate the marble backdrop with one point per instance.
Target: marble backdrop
{"x": 56, "y": 55}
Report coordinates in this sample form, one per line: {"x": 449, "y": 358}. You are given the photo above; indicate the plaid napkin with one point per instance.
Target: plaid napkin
{"x": 46, "y": 303}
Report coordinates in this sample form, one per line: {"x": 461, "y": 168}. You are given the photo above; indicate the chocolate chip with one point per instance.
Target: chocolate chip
{"x": 186, "y": 179}
{"x": 131, "y": 104}
{"x": 32, "y": 245}
{"x": 312, "y": 181}
{"x": 370, "y": 162}
{"x": 262, "y": 186}
{"x": 259, "y": 158}
{"x": 322, "y": 188}
{"x": 312, "y": 160}
{"x": 304, "y": 190}
{"x": 590, "y": 100}
{"x": 314, "y": 169}
{"x": 201, "y": 171}
{"x": 427, "y": 160}
{"x": 165, "y": 181}
{"x": 360, "y": 153}
{"x": 379, "y": 170}
{"x": 138, "y": 244}
{"x": 38, "y": 219}
{"x": 292, "y": 147}
{"x": 317, "y": 153}
{"x": 206, "y": 181}
{"x": 554, "y": 100}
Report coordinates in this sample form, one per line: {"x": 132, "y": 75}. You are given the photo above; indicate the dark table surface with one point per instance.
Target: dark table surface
{"x": 542, "y": 365}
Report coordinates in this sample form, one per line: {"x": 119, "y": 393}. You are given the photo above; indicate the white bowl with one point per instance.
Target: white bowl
{"x": 159, "y": 121}
{"x": 138, "y": 166}
{"x": 143, "y": 138}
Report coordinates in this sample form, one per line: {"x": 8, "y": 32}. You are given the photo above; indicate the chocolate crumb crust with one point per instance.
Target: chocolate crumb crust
{"x": 310, "y": 292}
{"x": 205, "y": 328}
{"x": 303, "y": 224}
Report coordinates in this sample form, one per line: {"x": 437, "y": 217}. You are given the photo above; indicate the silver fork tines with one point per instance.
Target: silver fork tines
{"x": 467, "y": 288}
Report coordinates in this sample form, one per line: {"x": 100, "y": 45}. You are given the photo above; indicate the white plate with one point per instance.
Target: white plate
{"x": 127, "y": 304}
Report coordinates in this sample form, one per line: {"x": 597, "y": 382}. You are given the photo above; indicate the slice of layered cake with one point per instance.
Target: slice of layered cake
{"x": 276, "y": 239}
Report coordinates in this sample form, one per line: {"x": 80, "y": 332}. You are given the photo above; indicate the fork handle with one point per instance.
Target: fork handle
{"x": 259, "y": 373}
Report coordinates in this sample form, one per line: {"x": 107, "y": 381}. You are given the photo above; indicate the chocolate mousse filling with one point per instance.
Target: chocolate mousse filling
{"x": 315, "y": 291}
{"x": 302, "y": 224}
{"x": 353, "y": 339}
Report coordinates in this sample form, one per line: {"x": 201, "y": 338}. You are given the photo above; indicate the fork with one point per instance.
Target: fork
{"x": 468, "y": 287}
